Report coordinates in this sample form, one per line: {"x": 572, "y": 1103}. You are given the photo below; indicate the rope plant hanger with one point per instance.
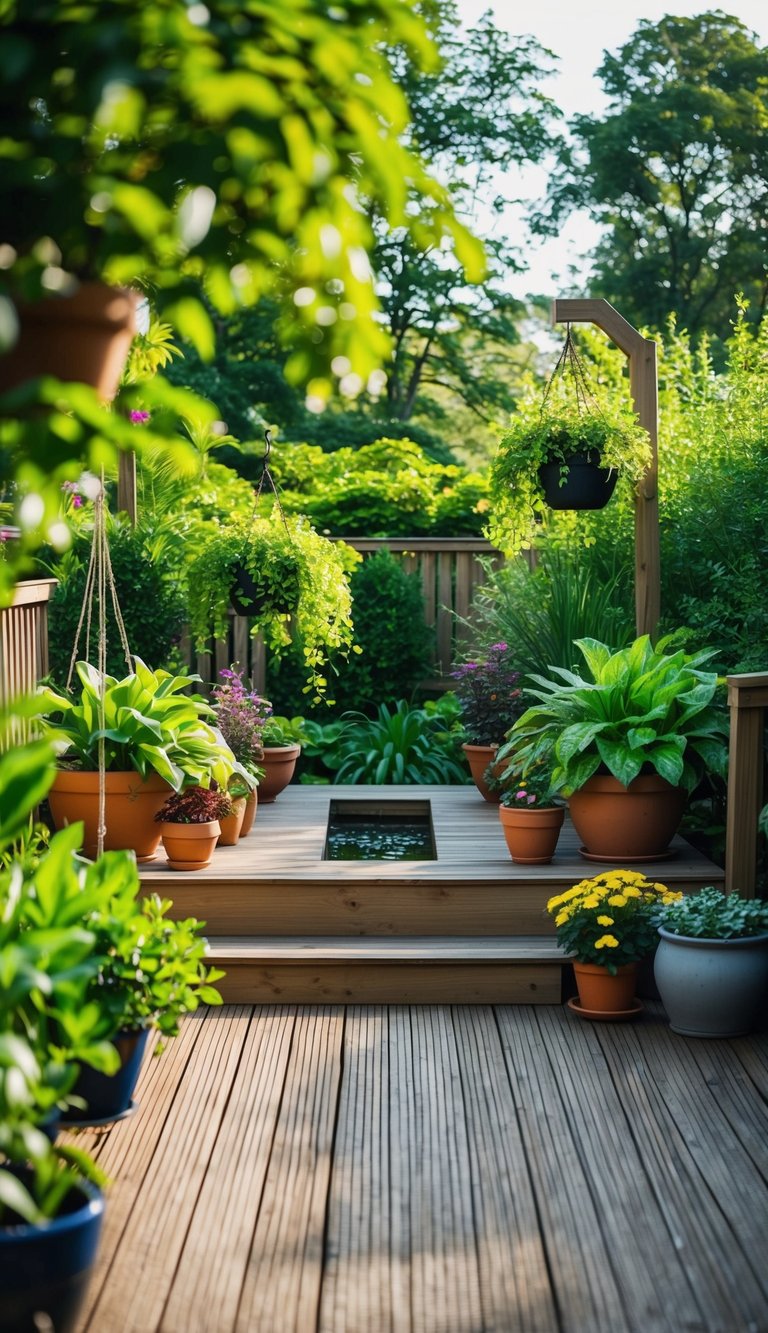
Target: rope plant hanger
{"x": 569, "y": 368}
{"x": 243, "y": 593}
{"x": 99, "y": 581}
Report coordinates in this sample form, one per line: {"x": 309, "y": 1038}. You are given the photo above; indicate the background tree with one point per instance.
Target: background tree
{"x": 677, "y": 170}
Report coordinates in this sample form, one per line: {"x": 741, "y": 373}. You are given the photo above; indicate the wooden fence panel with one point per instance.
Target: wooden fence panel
{"x": 23, "y": 646}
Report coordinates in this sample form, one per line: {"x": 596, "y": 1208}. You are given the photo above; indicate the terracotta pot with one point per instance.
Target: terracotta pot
{"x": 631, "y": 823}
{"x": 599, "y": 992}
{"x": 131, "y": 806}
{"x": 84, "y": 337}
{"x": 587, "y": 485}
{"x": 249, "y": 813}
{"x": 479, "y": 757}
{"x": 232, "y": 824}
{"x": 190, "y": 846}
{"x": 531, "y": 834}
{"x": 279, "y": 764}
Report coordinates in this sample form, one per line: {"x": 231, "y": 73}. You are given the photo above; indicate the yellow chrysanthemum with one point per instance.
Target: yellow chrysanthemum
{"x": 554, "y": 902}
{"x": 605, "y": 920}
{"x": 617, "y": 900}
{"x": 630, "y": 891}
{"x": 607, "y": 942}
{"x": 661, "y": 888}
{"x": 592, "y": 900}
{"x": 671, "y": 897}
{"x": 563, "y": 916}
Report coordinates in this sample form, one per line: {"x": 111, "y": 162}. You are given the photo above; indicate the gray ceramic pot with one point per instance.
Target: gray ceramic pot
{"x": 712, "y": 988}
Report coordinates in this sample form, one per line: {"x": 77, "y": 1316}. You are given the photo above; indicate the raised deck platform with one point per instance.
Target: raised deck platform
{"x": 469, "y": 926}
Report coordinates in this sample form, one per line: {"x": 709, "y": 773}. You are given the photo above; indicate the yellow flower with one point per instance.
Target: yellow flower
{"x": 630, "y": 891}
{"x": 605, "y": 920}
{"x": 592, "y": 900}
{"x": 617, "y": 900}
{"x": 563, "y": 916}
{"x": 607, "y": 942}
{"x": 661, "y": 888}
{"x": 671, "y": 897}
{"x": 554, "y": 902}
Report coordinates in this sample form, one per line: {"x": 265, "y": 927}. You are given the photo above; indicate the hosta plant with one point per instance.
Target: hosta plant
{"x": 641, "y": 709}
{"x": 150, "y": 725}
{"x": 611, "y": 919}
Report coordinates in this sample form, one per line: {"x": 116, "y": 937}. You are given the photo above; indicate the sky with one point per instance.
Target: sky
{"x": 578, "y": 32}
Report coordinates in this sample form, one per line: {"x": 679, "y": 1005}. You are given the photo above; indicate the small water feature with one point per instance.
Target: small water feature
{"x": 380, "y": 831}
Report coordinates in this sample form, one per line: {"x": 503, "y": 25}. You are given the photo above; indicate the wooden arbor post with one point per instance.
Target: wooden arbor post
{"x": 643, "y": 384}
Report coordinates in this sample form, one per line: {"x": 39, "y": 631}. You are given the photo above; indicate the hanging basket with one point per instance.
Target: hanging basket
{"x": 580, "y": 484}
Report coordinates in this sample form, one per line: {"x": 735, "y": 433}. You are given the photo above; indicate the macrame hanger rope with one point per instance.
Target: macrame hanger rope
{"x": 569, "y": 364}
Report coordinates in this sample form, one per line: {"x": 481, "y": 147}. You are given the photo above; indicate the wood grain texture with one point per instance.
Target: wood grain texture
{"x": 745, "y": 791}
{"x": 437, "y": 1170}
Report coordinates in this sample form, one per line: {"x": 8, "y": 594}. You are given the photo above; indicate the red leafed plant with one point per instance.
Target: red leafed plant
{"x": 196, "y": 805}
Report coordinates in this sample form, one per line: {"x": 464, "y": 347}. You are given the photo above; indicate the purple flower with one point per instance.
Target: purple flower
{"x": 77, "y": 501}
{"x": 139, "y": 418}
{"x": 531, "y": 798}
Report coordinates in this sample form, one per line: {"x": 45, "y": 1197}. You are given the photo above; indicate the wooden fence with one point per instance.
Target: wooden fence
{"x": 450, "y": 570}
{"x": 747, "y": 701}
{"x": 23, "y": 645}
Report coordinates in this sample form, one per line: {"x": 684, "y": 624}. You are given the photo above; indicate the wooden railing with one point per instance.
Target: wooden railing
{"x": 24, "y": 644}
{"x": 450, "y": 571}
{"x": 747, "y": 701}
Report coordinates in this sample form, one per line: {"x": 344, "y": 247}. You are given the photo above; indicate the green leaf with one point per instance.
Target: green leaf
{"x": 26, "y": 774}
{"x": 668, "y": 762}
{"x": 17, "y": 1198}
{"x": 623, "y": 762}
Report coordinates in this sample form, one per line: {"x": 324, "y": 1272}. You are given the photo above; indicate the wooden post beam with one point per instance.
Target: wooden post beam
{"x": 126, "y": 485}
{"x": 747, "y": 701}
{"x": 643, "y": 384}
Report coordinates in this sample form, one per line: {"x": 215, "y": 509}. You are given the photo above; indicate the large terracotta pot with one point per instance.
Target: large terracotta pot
{"x": 232, "y": 824}
{"x": 634, "y": 823}
{"x": 712, "y": 988}
{"x": 279, "y": 764}
{"x": 84, "y": 337}
{"x": 190, "y": 846}
{"x": 479, "y": 757}
{"x": 249, "y": 815}
{"x": 601, "y": 993}
{"x": 131, "y": 806}
{"x": 531, "y": 834}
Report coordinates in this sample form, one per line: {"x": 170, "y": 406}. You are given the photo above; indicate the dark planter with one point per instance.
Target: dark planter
{"x": 587, "y": 485}
{"x": 108, "y": 1096}
{"x": 251, "y": 596}
{"x": 45, "y": 1270}
{"x": 712, "y": 988}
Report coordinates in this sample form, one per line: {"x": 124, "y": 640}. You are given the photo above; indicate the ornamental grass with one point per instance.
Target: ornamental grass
{"x": 611, "y": 919}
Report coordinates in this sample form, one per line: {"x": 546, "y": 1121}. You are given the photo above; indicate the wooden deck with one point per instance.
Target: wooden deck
{"x": 437, "y": 1170}
{"x": 469, "y": 925}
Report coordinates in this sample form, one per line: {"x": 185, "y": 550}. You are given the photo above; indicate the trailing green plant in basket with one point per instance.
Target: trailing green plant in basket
{"x": 291, "y": 581}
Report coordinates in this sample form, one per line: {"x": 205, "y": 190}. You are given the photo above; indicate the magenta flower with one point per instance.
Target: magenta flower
{"x": 77, "y": 501}
{"x": 139, "y": 418}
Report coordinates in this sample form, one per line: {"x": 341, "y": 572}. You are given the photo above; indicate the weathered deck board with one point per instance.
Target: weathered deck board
{"x": 437, "y": 1170}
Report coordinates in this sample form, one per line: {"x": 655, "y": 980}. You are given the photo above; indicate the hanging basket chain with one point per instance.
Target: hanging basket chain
{"x": 266, "y": 476}
{"x": 570, "y": 366}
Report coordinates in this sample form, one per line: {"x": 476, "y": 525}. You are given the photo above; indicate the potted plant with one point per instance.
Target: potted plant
{"x": 567, "y": 456}
{"x": 608, "y": 924}
{"x": 491, "y": 701}
{"x": 531, "y": 817}
{"x": 626, "y": 744}
{"x": 280, "y": 752}
{"x": 156, "y": 739}
{"x": 190, "y": 826}
{"x": 241, "y": 716}
{"x": 711, "y": 965}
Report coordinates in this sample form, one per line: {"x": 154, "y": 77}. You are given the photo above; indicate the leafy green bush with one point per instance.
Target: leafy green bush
{"x": 401, "y": 745}
{"x": 388, "y": 488}
{"x": 711, "y": 914}
{"x": 395, "y": 643}
{"x": 150, "y": 600}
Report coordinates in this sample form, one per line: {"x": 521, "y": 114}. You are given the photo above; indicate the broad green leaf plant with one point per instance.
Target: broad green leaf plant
{"x": 640, "y": 709}
{"x": 150, "y": 725}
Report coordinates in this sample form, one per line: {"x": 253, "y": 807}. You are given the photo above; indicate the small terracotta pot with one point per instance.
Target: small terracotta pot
{"x": 83, "y": 337}
{"x": 131, "y": 805}
{"x": 232, "y": 824}
{"x": 531, "y": 834}
{"x": 479, "y": 757}
{"x": 279, "y": 764}
{"x": 249, "y": 814}
{"x": 190, "y": 846}
{"x": 599, "y": 992}
{"x": 627, "y": 823}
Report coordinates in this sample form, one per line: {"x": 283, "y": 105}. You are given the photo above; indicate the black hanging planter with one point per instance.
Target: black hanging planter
{"x": 45, "y": 1270}
{"x": 246, "y": 597}
{"x": 587, "y": 485}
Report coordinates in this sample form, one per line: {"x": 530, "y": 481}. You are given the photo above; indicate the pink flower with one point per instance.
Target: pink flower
{"x": 521, "y": 796}
{"x": 531, "y": 798}
{"x": 77, "y": 501}
{"x": 139, "y": 418}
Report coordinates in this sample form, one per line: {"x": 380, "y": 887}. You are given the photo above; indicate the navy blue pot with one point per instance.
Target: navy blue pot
{"x": 109, "y": 1095}
{"x": 46, "y": 1269}
{"x": 587, "y": 485}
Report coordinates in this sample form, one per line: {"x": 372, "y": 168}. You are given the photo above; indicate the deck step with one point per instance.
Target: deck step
{"x": 387, "y": 970}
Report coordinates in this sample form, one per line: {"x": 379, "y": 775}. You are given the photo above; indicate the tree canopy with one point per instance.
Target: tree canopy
{"x": 677, "y": 170}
